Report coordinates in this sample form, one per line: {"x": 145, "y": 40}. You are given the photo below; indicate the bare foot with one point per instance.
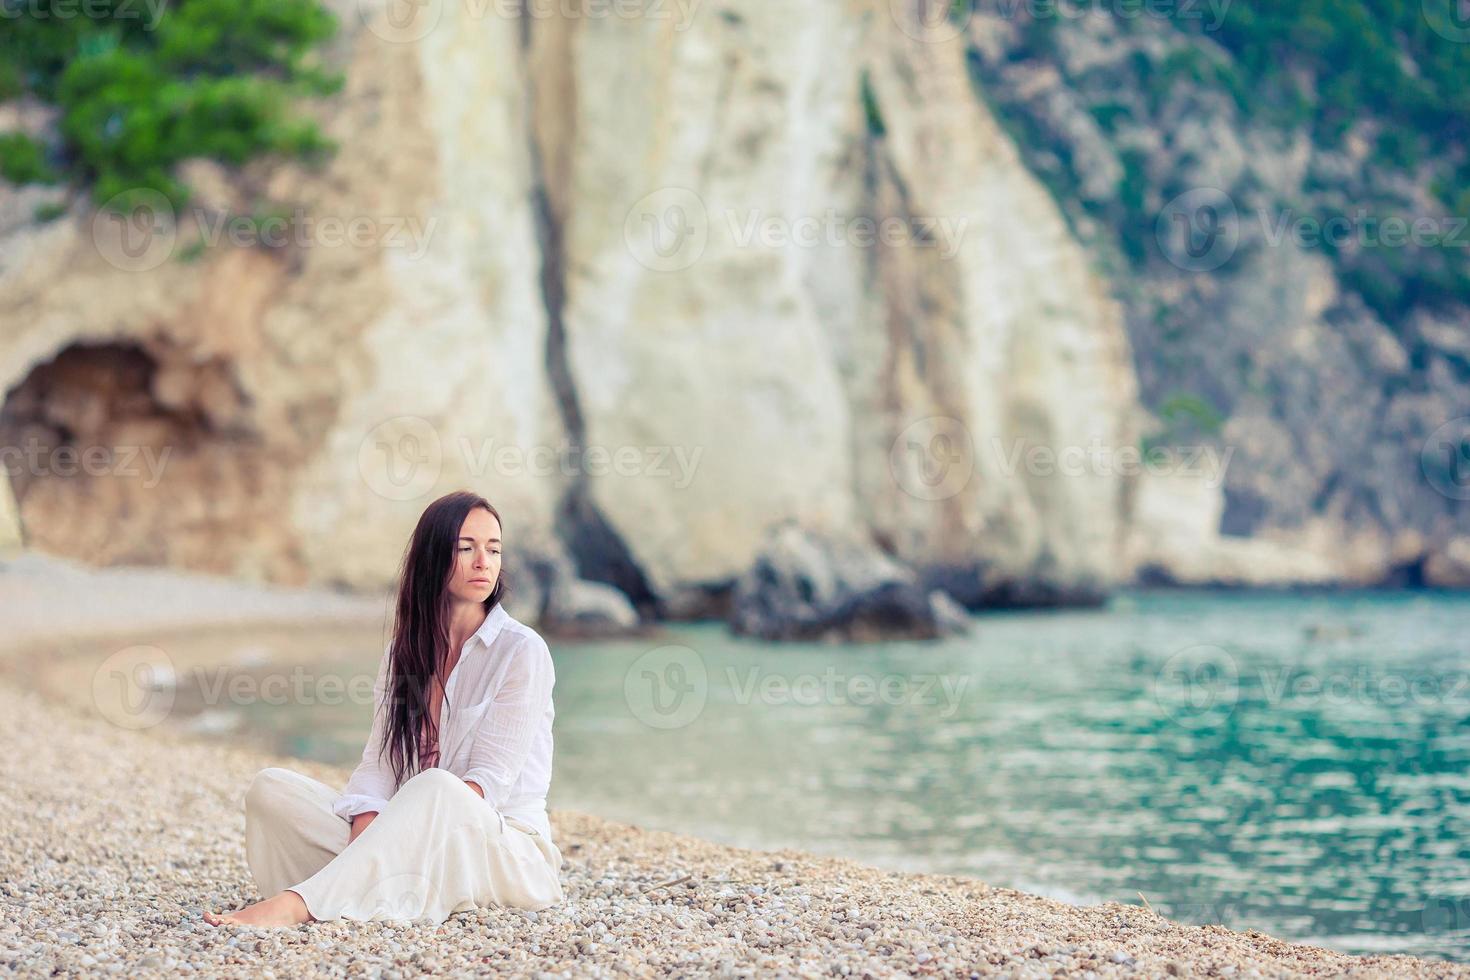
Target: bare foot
{"x": 285, "y": 909}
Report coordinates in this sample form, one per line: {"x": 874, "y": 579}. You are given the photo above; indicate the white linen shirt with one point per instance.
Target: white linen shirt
{"x": 495, "y": 727}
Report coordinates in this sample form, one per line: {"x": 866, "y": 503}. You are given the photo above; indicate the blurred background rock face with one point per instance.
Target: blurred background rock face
{"x": 665, "y": 286}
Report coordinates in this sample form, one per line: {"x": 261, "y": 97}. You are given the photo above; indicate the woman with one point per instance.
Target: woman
{"x": 447, "y": 809}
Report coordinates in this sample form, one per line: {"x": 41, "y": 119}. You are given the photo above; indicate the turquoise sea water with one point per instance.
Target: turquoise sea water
{"x": 1295, "y": 764}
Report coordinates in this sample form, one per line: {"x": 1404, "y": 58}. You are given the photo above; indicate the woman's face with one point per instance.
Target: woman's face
{"x": 477, "y": 557}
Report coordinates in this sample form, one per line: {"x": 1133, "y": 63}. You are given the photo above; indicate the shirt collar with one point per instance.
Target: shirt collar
{"x": 494, "y": 622}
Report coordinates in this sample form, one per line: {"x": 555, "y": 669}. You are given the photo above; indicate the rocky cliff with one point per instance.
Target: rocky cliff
{"x": 654, "y": 284}
{"x": 1290, "y": 246}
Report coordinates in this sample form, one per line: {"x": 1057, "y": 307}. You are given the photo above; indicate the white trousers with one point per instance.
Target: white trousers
{"x": 437, "y": 848}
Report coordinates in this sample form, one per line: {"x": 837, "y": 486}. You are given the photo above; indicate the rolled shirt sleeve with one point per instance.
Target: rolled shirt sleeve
{"x": 503, "y": 741}
{"x": 371, "y": 783}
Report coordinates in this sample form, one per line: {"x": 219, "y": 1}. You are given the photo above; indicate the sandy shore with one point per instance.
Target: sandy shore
{"x": 112, "y": 842}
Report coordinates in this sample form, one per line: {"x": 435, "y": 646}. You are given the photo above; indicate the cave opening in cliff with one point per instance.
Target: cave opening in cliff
{"x": 78, "y": 400}
{"x": 126, "y": 453}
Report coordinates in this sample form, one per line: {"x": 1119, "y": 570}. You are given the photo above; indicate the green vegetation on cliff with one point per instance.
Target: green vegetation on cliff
{"x": 1381, "y": 81}
{"x": 1401, "y": 64}
{"x": 137, "y": 94}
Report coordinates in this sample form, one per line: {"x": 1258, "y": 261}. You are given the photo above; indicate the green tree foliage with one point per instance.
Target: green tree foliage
{"x": 1403, "y": 64}
{"x": 207, "y": 78}
{"x": 1319, "y": 66}
{"x": 23, "y": 160}
{"x": 1382, "y": 57}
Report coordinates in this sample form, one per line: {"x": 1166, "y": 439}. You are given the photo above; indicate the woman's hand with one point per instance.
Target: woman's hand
{"x": 360, "y": 823}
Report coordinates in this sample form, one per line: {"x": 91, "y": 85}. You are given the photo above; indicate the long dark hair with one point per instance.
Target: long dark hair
{"x": 421, "y": 624}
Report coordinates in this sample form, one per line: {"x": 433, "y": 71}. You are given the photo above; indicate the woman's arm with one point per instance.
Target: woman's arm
{"x": 359, "y": 824}
{"x": 504, "y": 740}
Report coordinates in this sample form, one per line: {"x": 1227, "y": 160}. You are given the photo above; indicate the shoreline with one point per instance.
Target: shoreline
{"x": 115, "y": 841}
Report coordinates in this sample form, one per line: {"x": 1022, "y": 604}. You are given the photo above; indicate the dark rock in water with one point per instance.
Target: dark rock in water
{"x": 806, "y": 586}
{"x": 979, "y": 586}
{"x": 701, "y": 601}
{"x": 559, "y": 603}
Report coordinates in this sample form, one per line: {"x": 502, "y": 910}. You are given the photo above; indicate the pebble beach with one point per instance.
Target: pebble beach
{"x": 114, "y": 842}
